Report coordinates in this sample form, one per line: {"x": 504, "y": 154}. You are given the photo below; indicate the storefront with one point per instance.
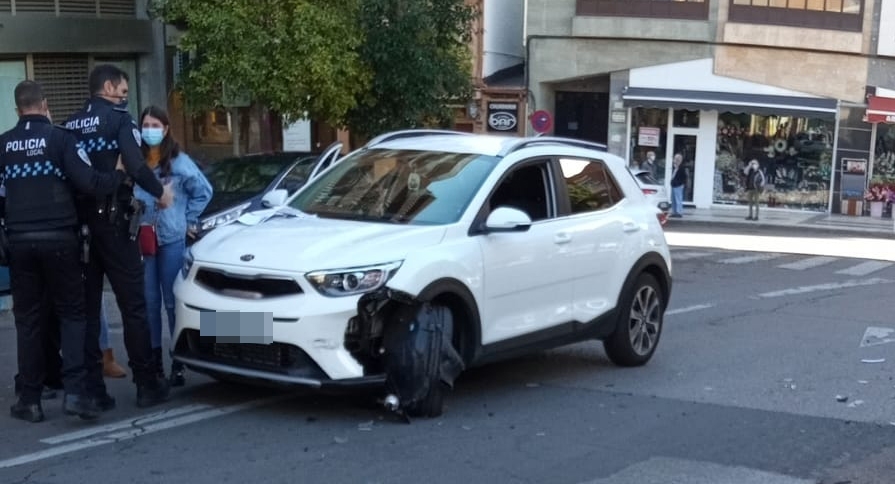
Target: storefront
{"x": 881, "y": 114}
{"x": 719, "y": 124}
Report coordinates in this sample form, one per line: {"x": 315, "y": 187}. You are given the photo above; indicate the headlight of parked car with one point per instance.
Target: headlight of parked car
{"x": 222, "y": 218}
{"x": 357, "y": 280}
{"x": 187, "y": 262}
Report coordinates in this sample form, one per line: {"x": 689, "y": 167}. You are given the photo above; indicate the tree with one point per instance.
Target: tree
{"x": 418, "y": 51}
{"x": 296, "y": 57}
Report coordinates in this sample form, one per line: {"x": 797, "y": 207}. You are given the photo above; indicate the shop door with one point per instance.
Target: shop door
{"x": 685, "y": 145}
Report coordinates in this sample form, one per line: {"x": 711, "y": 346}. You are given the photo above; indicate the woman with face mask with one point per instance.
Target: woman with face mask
{"x": 163, "y": 232}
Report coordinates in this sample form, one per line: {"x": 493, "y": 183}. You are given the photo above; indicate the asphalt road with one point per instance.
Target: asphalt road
{"x": 758, "y": 344}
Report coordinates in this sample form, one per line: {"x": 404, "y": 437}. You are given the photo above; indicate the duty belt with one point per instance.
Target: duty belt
{"x": 39, "y": 235}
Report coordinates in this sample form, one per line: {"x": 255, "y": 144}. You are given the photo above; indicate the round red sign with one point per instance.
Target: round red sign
{"x": 541, "y": 121}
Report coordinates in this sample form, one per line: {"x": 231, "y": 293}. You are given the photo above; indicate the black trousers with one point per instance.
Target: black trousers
{"x": 115, "y": 256}
{"x": 50, "y": 336}
{"x": 41, "y": 269}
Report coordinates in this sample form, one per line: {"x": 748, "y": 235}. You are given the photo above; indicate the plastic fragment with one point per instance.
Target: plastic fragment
{"x": 856, "y": 403}
{"x": 841, "y": 398}
{"x": 873, "y": 360}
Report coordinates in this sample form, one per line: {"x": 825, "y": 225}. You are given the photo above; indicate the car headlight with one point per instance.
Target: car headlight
{"x": 351, "y": 281}
{"x": 223, "y": 218}
{"x": 187, "y": 262}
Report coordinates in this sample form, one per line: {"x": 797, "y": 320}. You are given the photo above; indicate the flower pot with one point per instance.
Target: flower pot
{"x": 876, "y": 209}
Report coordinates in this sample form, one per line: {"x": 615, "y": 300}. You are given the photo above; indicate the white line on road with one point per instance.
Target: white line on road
{"x": 125, "y": 424}
{"x": 688, "y": 309}
{"x": 808, "y": 263}
{"x": 865, "y": 268}
{"x": 825, "y": 287}
{"x": 745, "y": 259}
{"x": 679, "y": 256}
{"x": 136, "y": 432}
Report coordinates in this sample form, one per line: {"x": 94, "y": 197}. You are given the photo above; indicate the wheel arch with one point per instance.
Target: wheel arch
{"x": 467, "y": 322}
{"x": 654, "y": 264}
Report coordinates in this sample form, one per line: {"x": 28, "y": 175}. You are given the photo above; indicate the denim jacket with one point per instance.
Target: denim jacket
{"x": 192, "y": 192}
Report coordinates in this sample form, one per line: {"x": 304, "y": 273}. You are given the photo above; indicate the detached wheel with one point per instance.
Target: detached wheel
{"x": 640, "y": 324}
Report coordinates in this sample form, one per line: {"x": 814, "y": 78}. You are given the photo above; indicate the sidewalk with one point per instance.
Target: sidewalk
{"x": 770, "y": 217}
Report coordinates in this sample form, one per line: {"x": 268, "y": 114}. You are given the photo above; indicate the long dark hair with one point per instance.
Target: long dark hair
{"x": 169, "y": 148}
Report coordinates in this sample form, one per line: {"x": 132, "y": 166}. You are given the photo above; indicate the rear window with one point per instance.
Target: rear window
{"x": 646, "y": 179}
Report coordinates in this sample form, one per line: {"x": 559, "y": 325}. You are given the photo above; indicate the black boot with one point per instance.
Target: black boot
{"x": 158, "y": 363}
{"x": 104, "y": 402}
{"x": 29, "y": 412}
{"x": 85, "y": 408}
{"x": 152, "y": 392}
{"x": 177, "y": 379}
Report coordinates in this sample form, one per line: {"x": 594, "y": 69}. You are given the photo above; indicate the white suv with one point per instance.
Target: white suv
{"x": 424, "y": 253}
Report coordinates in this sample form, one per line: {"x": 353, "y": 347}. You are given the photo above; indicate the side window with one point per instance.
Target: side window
{"x": 525, "y": 188}
{"x": 589, "y": 185}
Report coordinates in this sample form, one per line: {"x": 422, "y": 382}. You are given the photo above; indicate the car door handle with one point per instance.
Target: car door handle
{"x": 562, "y": 238}
{"x": 630, "y": 227}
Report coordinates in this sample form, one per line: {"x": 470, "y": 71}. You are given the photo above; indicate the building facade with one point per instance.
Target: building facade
{"x": 721, "y": 82}
{"x": 57, "y": 42}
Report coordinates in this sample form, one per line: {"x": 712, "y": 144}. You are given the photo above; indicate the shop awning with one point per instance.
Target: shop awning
{"x": 730, "y": 102}
{"x": 880, "y": 109}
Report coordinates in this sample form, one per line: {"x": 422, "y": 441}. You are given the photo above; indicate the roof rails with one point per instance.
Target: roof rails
{"x": 410, "y": 133}
{"x": 551, "y": 140}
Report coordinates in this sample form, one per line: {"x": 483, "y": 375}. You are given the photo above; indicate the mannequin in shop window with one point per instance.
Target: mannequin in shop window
{"x": 649, "y": 164}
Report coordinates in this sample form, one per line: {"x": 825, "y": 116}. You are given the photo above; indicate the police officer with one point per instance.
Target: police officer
{"x": 38, "y": 161}
{"x": 106, "y": 131}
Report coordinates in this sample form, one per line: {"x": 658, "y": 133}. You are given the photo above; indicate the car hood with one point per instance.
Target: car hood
{"x": 303, "y": 244}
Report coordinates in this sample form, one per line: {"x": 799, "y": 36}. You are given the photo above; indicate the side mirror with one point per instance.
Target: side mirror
{"x": 274, "y": 198}
{"x": 506, "y": 219}
{"x": 664, "y": 206}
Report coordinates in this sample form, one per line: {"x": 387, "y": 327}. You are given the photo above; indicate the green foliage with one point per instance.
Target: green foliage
{"x": 295, "y": 57}
{"x": 419, "y": 53}
{"x": 370, "y": 65}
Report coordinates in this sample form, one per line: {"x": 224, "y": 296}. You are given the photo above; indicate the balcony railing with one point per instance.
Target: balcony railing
{"x": 686, "y": 10}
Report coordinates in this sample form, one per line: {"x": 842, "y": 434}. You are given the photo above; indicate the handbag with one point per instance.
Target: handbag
{"x": 147, "y": 240}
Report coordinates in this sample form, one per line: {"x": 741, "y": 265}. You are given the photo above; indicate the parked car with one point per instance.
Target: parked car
{"x": 653, "y": 189}
{"x": 422, "y": 254}
{"x": 239, "y": 183}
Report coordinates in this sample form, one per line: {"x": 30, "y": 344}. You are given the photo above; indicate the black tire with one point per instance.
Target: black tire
{"x": 640, "y": 320}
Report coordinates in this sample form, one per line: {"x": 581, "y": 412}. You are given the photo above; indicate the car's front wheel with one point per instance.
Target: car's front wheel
{"x": 640, "y": 323}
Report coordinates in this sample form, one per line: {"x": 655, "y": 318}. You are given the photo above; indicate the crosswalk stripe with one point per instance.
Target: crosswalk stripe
{"x": 745, "y": 259}
{"x": 865, "y": 268}
{"x": 689, "y": 255}
{"x": 809, "y": 263}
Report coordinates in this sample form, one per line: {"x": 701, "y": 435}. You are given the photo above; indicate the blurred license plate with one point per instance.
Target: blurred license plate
{"x": 237, "y": 326}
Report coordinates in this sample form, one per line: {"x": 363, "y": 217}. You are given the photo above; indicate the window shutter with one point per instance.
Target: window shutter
{"x": 118, "y": 7}
{"x": 64, "y": 80}
{"x": 5, "y": 6}
{"x": 39, "y": 6}
{"x": 77, "y": 6}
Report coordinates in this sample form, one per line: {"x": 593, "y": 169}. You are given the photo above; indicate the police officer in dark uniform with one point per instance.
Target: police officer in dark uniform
{"x": 40, "y": 163}
{"x": 106, "y": 131}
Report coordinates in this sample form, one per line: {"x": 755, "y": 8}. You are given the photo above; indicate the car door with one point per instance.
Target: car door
{"x": 525, "y": 288}
{"x": 592, "y": 210}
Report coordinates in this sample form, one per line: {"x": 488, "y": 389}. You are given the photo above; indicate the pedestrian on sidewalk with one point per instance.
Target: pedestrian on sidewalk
{"x": 754, "y": 185}
{"x": 111, "y": 368}
{"x": 678, "y": 182}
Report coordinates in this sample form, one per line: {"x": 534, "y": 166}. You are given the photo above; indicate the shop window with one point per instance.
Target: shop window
{"x": 686, "y": 119}
{"x": 213, "y": 126}
{"x": 820, "y": 14}
{"x": 681, "y": 9}
{"x": 649, "y": 131}
{"x": 884, "y": 157}
{"x": 794, "y": 153}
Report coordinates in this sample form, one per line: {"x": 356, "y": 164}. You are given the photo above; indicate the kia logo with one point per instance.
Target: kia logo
{"x": 246, "y": 257}
{"x": 502, "y": 121}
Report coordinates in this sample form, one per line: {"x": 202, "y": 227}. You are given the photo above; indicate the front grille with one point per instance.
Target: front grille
{"x": 246, "y": 287}
{"x": 275, "y": 357}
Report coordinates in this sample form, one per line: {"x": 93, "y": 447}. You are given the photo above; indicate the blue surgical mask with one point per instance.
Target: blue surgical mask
{"x": 153, "y": 136}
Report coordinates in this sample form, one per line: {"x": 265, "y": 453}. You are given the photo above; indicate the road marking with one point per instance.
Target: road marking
{"x": 689, "y": 309}
{"x": 865, "y": 268}
{"x": 875, "y": 335}
{"x": 137, "y": 432}
{"x": 125, "y": 424}
{"x": 825, "y": 287}
{"x": 745, "y": 259}
{"x": 679, "y": 256}
{"x": 663, "y": 470}
{"x": 808, "y": 263}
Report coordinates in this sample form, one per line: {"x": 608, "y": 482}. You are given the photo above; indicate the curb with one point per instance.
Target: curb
{"x": 756, "y": 227}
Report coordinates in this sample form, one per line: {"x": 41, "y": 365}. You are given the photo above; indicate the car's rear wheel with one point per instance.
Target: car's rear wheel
{"x": 640, "y": 323}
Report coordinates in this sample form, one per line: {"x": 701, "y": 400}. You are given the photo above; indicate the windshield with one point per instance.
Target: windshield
{"x": 252, "y": 174}
{"x": 397, "y": 186}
